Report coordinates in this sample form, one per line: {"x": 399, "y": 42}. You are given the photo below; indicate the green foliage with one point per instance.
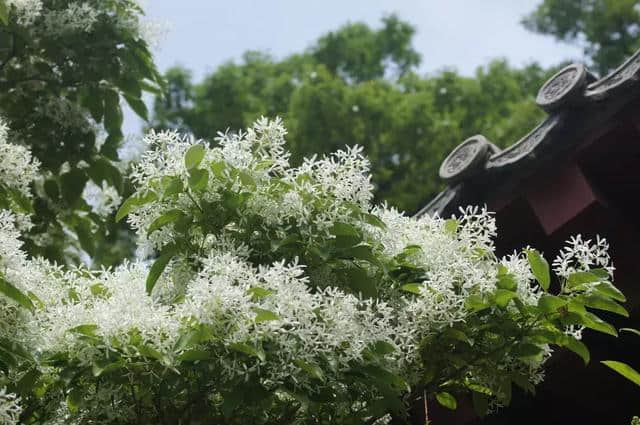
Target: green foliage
{"x": 607, "y": 29}
{"x": 70, "y": 81}
{"x": 624, "y": 369}
{"x": 358, "y": 85}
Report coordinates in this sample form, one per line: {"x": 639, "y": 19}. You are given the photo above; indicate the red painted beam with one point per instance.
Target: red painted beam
{"x": 560, "y": 196}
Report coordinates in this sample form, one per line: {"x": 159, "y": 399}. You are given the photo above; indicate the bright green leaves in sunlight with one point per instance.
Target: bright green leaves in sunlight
{"x": 540, "y": 268}
{"x": 158, "y": 267}
{"x": 15, "y": 294}
{"x": 134, "y": 202}
{"x": 194, "y": 156}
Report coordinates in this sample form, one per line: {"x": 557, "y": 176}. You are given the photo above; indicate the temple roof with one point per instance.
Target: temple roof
{"x": 577, "y": 103}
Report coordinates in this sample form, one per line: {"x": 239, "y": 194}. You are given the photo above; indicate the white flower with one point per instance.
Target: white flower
{"x": 10, "y": 408}
{"x": 18, "y": 168}
{"x": 27, "y": 10}
{"x": 103, "y": 200}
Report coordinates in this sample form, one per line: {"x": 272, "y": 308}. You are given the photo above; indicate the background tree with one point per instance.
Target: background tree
{"x": 607, "y": 30}
{"x": 359, "y": 85}
{"x": 64, "y": 69}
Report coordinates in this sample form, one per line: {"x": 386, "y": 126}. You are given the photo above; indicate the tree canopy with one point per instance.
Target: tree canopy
{"x": 64, "y": 69}
{"x": 607, "y": 30}
{"x": 360, "y": 86}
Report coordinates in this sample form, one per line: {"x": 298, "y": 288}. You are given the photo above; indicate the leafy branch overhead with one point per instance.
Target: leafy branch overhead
{"x": 69, "y": 66}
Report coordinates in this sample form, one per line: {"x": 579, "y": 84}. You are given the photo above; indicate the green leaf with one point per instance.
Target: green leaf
{"x": 345, "y": 242}
{"x": 134, "y": 202}
{"x": 4, "y": 13}
{"x": 110, "y": 147}
{"x": 507, "y": 281}
{"x": 165, "y": 219}
{"x": 23, "y": 203}
{"x": 112, "y": 112}
{"x": 15, "y": 294}
{"x": 27, "y": 382}
{"x": 104, "y": 366}
{"x": 624, "y": 370}
{"x": 130, "y": 87}
{"x": 194, "y": 156}
{"x": 263, "y": 315}
{"x": 382, "y": 348}
{"x": 103, "y": 170}
{"x": 52, "y": 190}
{"x": 258, "y": 293}
{"x": 72, "y": 185}
{"x": 249, "y": 350}
{"x": 551, "y": 303}
{"x": 578, "y": 279}
{"x": 502, "y": 297}
{"x": 457, "y": 335}
{"x": 198, "y": 179}
{"x": 150, "y": 352}
{"x": 635, "y": 331}
{"x": 311, "y": 368}
{"x": 526, "y": 351}
{"x": 607, "y": 288}
{"x": 362, "y": 252}
{"x": 85, "y": 236}
{"x": 138, "y": 106}
{"x": 540, "y": 268}
{"x": 409, "y": 250}
{"x": 344, "y": 229}
{"x": 451, "y": 226}
{"x": 194, "y": 355}
{"x": 447, "y": 400}
{"x": 175, "y": 187}
{"x": 602, "y": 303}
{"x": 414, "y": 288}
{"x": 87, "y": 330}
{"x": 157, "y": 268}
{"x": 577, "y": 347}
{"x": 476, "y": 303}
{"x": 218, "y": 168}
{"x": 592, "y": 321}
{"x": 289, "y": 240}
{"x": 231, "y": 400}
{"x": 601, "y": 273}
{"x": 74, "y": 399}
{"x": 360, "y": 282}
{"x": 15, "y": 349}
{"x": 94, "y": 102}
{"x": 523, "y": 382}
{"x": 246, "y": 179}
{"x": 374, "y": 220}
{"x": 99, "y": 290}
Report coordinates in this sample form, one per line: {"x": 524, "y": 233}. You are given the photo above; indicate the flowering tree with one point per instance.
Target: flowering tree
{"x": 279, "y": 295}
{"x": 65, "y": 66}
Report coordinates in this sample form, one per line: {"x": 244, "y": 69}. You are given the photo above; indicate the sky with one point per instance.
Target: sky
{"x": 460, "y": 34}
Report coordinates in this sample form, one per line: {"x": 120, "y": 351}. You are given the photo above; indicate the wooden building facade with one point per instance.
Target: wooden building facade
{"x": 577, "y": 172}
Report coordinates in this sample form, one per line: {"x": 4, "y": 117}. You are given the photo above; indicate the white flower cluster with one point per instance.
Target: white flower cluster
{"x": 256, "y": 156}
{"x": 10, "y": 408}
{"x": 103, "y": 200}
{"x": 77, "y": 17}
{"x": 298, "y": 311}
{"x": 582, "y": 255}
{"x": 27, "y": 10}
{"x": 18, "y": 168}
{"x": 82, "y": 17}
